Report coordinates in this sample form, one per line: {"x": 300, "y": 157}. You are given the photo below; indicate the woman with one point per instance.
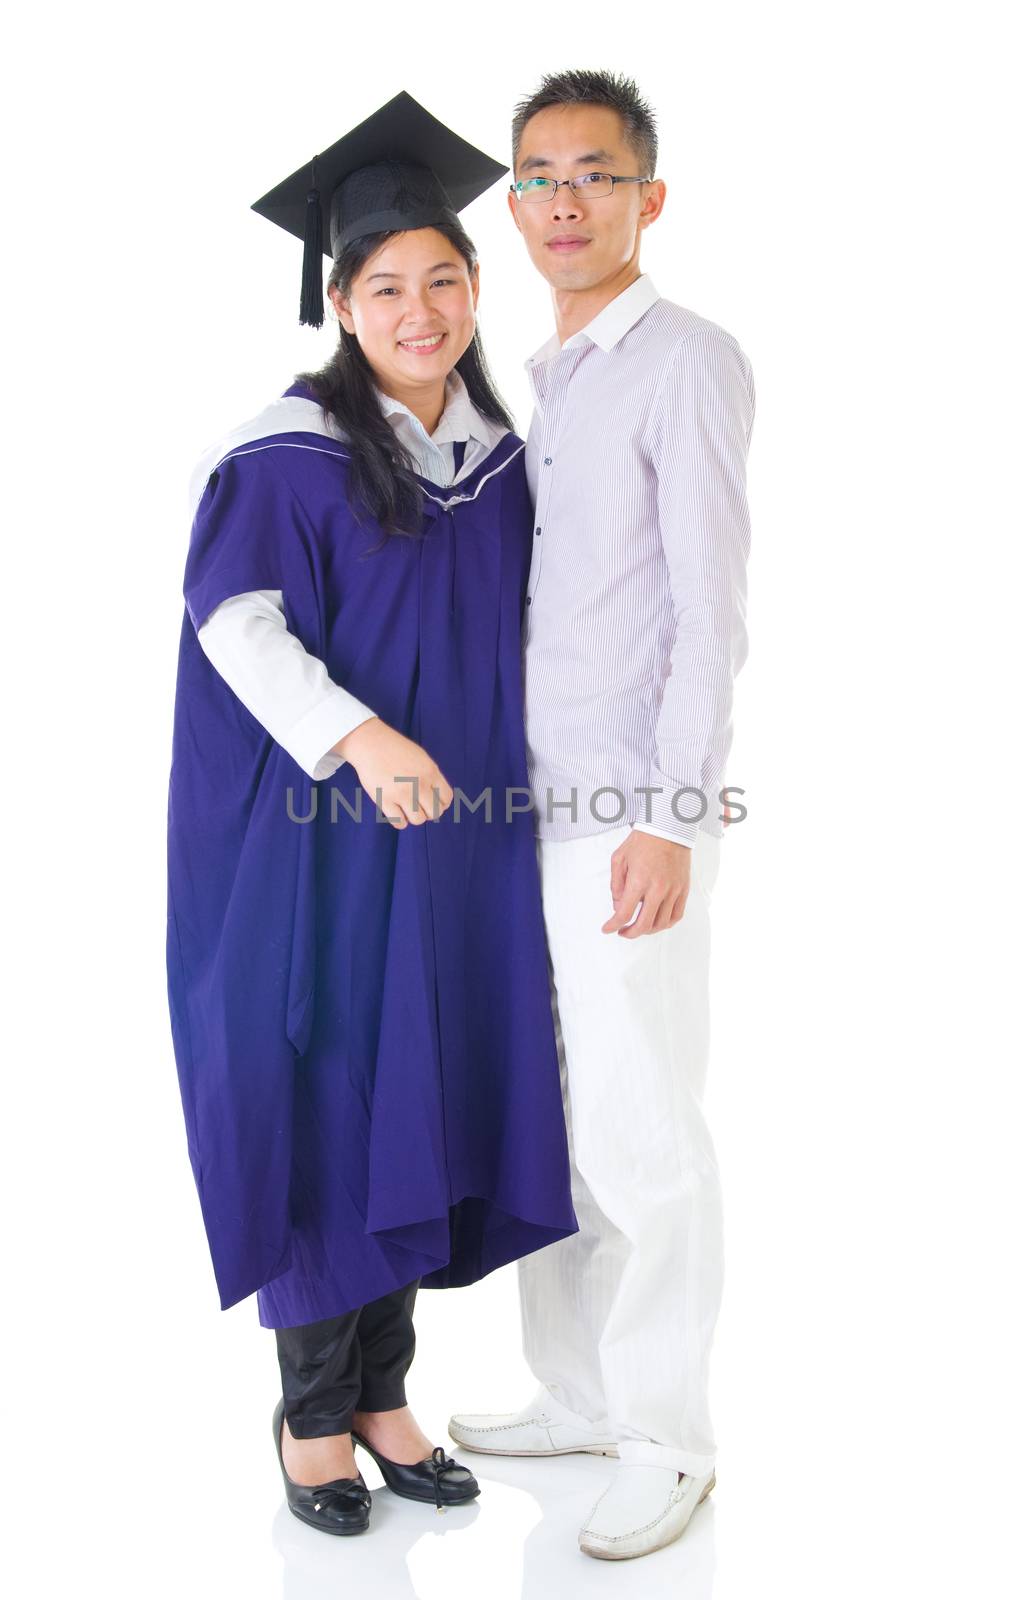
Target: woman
{"x": 359, "y": 996}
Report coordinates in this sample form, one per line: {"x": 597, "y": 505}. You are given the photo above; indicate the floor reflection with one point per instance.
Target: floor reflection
{"x": 518, "y": 1541}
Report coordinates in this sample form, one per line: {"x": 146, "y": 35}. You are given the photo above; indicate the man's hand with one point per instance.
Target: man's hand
{"x": 385, "y": 759}
{"x": 652, "y": 872}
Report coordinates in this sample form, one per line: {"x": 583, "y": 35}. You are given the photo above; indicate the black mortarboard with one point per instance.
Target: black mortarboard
{"x": 400, "y": 168}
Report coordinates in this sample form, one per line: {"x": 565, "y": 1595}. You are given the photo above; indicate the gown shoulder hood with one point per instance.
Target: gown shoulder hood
{"x": 290, "y": 413}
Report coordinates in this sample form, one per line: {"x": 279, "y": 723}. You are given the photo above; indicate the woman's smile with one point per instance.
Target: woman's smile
{"x": 425, "y": 344}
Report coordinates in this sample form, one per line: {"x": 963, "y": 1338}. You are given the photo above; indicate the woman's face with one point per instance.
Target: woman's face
{"x": 412, "y": 307}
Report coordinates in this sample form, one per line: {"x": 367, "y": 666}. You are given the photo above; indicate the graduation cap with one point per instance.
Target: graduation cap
{"x": 400, "y": 168}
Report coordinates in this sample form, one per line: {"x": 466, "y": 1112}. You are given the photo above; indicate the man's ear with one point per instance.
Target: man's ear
{"x": 511, "y": 201}
{"x": 342, "y": 308}
{"x": 653, "y": 203}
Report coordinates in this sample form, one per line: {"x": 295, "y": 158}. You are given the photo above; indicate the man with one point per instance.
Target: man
{"x": 634, "y": 630}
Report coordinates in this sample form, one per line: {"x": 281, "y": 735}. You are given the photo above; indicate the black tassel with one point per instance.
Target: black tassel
{"x": 311, "y": 300}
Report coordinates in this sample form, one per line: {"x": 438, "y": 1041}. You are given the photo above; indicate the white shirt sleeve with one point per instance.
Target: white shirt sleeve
{"x": 286, "y": 688}
{"x": 701, "y": 435}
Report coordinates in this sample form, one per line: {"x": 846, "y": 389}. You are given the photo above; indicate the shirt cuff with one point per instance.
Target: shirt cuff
{"x": 659, "y": 833}
{"x": 672, "y": 810}
{"x": 310, "y": 740}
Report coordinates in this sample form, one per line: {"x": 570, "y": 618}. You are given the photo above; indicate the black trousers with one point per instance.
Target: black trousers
{"x": 355, "y": 1362}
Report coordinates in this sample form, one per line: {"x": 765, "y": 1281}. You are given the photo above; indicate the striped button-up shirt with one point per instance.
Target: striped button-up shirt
{"x": 635, "y": 619}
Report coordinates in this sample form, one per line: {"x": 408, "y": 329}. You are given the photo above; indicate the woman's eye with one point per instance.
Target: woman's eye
{"x": 391, "y": 288}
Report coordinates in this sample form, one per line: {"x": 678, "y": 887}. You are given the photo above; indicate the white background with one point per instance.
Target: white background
{"x": 844, "y": 189}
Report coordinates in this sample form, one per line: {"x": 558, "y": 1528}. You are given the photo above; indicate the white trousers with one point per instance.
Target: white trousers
{"x": 618, "y": 1319}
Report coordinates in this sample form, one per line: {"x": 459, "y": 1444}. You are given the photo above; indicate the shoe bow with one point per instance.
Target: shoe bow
{"x": 344, "y": 1491}
{"x": 440, "y": 1463}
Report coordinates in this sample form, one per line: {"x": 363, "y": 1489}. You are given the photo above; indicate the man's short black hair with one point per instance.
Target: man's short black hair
{"x": 612, "y": 89}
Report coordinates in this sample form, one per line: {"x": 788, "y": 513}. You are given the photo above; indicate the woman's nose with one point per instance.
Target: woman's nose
{"x": 417, "y": 311}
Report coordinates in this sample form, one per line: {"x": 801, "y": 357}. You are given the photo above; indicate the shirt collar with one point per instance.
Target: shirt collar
{"x": 609, "y": 325}
{"x": 459, "y": 420}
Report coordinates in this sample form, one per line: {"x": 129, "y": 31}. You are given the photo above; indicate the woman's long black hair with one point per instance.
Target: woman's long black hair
{"x": 381, "y": 478}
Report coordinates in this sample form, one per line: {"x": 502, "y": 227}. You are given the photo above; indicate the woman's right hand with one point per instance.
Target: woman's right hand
{"x": 385, "y": 759}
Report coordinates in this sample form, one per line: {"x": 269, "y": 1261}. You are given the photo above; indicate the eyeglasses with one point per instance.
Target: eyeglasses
{"x": 589, "y": 185}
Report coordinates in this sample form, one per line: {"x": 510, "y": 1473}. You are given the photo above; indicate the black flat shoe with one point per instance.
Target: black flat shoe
{"x": 341, "y": 1506}
{"x": 439, "y": 1478}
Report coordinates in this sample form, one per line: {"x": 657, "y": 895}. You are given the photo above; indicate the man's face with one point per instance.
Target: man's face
{"x": 574, "y": 241}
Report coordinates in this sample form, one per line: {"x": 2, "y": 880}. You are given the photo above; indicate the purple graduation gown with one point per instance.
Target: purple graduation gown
{"x": 360, "y": 1015}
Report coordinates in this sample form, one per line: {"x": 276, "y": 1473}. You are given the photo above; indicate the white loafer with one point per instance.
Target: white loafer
{"x": 642, "y": 1509}
{"x": 542, "y": 1428}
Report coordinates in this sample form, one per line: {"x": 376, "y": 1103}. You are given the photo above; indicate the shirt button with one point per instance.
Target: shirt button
{"x": 537, "y": 531}
{"x": 529, "y": 599}
{"x": 548, "y": 461}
